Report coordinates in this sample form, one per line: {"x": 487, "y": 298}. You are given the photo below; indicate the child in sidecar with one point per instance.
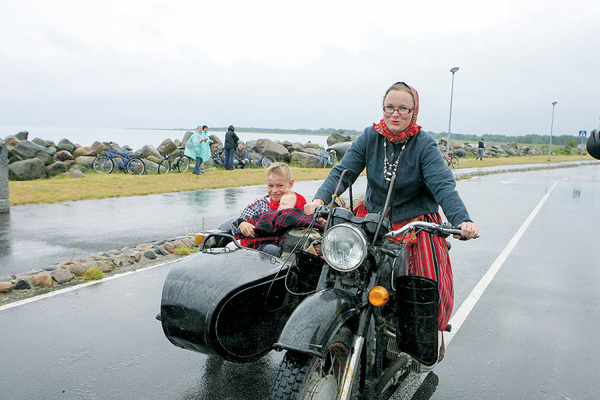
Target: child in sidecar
{"x": 270, "y": 227}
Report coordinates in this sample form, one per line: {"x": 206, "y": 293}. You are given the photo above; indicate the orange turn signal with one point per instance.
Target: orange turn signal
{"x": 199, "y": 238}
{"x": 378, "y": 296}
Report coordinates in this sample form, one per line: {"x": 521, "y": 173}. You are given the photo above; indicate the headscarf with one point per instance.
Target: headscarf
{"x": 412, "y": 128}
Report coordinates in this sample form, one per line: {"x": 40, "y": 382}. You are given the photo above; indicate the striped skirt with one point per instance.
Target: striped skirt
{"x": 429, "y": 258}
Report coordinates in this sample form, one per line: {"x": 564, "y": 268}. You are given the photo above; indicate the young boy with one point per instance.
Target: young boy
{"x": 279, "y": 181}
{"x": 271, "y": 226}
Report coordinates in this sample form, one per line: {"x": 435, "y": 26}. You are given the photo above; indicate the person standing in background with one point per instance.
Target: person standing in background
{"x": 481, "y": 147}
{"x": 198, "y": 148}
{"x": 231, "y": 140}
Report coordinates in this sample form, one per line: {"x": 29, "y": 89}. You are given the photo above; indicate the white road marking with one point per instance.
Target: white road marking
{"x": 77, "y": 287}
{"x": 467, "y": 306}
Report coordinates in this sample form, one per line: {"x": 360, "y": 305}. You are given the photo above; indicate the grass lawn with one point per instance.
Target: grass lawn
{"x": 98, "y": 186}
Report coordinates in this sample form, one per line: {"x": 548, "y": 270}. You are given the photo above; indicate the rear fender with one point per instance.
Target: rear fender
{"x": 315, "y": 321}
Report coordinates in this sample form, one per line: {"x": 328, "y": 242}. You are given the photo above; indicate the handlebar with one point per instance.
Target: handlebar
{"x": 443, "y": 230}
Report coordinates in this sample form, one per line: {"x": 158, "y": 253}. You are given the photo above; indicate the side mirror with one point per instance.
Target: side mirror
{"x": 593, "y": 144}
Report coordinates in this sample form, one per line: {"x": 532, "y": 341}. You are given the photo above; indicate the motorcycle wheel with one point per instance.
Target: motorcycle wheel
{"x": 303, "y": 377}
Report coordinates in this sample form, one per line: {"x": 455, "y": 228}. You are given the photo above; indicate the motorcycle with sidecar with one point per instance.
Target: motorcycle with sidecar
{"x": 352, "y": 321}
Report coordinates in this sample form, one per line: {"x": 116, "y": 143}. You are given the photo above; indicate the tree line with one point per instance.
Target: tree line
{"x": 562, "y": 140}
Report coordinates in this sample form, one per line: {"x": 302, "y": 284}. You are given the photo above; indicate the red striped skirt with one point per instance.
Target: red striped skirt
{"x": 429, "y": 258}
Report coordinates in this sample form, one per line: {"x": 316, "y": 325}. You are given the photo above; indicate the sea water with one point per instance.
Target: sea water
{"x": 137, "y": 138}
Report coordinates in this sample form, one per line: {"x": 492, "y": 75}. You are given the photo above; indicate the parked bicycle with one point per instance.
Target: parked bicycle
{"x": 328, "y": 159}
{"x": 174, "y": 161}
{"x": 105, "y": 162}
{"x": 263, "y": 160}
{"x": 451, "y": 160}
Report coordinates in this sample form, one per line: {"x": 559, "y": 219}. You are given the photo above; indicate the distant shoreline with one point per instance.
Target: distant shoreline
{"x": 306, "y": 132}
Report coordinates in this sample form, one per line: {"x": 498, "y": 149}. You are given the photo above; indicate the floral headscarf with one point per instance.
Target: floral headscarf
{"x": 410, "y": 130}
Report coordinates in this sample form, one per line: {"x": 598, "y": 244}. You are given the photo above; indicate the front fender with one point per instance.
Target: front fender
{"x": 315, "y": 321}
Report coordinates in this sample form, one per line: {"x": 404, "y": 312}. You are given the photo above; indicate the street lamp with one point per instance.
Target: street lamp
{"x": 551, "y": 128}
{"x": 453, "y": 70}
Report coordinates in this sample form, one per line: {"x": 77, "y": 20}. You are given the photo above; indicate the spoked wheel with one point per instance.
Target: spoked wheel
{"x": 333, "y": 157}
{"x": 267, "y": 161}
{"x": 103, "y": 164}
{"x": 183, "y": 164}
{"x": 135, "y": 166}
{"x": 454, "y": 163}
{"x": 303, "y": 377}
{"x": 164, "y": 167}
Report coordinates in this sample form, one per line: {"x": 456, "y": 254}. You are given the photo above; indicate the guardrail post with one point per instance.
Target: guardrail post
{"x": 4, "y": 202}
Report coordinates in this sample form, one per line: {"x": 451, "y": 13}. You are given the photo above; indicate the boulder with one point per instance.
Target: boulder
{"x": 25, "y": 150}
{"x": 149, "y": 150}
{"x": 11, "y": 140}
{"x": 63, "y": 155}
{"x": 77, "y": 173}
{"x": 56, "y": 168}
{"x": 189, "y": 134}
{"x": 305, "y": 159}
{"x": 21, "y": 284}
{"x": 85, "y": 151}
{"x": 77, "y": 269}
{"x": 340, "y": 149}
{"x": 22, "y": 135}
{"x": 167, "y": 146}
{"x": 65, "y": 144}
{"x": 107, "y": 266}
{"x": 338, "y": 136}
{"x": 5, "y": 287}
{"x": 62, "y": 275}
{"x": 41, "y": 142}
{"x": 85, "y": 161}
{"x": 26, "y": 170}
{"x": 267, "y": 146}
{"x": 42, "y": 280}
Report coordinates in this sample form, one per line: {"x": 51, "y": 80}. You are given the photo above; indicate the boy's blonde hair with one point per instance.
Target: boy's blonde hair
{"x": 280, "y": 169}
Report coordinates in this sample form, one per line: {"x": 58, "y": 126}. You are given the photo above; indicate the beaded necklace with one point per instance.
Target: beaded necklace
{"x": 390, "y": 169}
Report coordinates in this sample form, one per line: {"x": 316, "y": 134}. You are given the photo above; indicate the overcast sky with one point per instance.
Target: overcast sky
{"x": 300, "y": 64}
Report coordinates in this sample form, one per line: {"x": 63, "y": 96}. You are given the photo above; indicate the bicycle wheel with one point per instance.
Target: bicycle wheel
{"x": 102, "y": 164}
{"x": 454, "y": 163}
{"x": 267, "y": 160}
{"x": 183, "y": 164}
{"x": 135, "y": 166}
{"x": 333, "y": 158}
{"x": 164, "y": 167}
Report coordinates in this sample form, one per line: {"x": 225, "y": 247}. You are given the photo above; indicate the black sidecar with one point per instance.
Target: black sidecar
{"x": 233, "y": 304}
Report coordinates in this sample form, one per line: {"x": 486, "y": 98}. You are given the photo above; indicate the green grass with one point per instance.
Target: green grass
{"x": 93, "y": 274}
{"x": 99, "y": 186}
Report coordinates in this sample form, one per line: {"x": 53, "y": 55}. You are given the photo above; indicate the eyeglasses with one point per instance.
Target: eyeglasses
{"x": 401, "y": 110}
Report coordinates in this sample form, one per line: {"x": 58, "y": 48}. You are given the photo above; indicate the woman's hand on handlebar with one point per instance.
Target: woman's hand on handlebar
{"x": 247, "y": 229}
{"x": 468, "y": 231}
{"x": 310, "y": 208}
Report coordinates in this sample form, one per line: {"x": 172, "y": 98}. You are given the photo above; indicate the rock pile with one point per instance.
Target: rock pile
{"x": 33, "y": 282}
{"x": 40, "y": 158}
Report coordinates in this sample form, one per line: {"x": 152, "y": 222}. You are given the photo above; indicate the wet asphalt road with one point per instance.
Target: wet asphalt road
{"x": 532, "y": 334}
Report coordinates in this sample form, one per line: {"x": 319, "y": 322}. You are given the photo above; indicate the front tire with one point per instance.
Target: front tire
{"x": 304, "y": 377}
{"x": 267, "y": 161}
{"x": 135, "y": 166}
{"x": 454, "y": 163}
{"x": 183, "y": 164}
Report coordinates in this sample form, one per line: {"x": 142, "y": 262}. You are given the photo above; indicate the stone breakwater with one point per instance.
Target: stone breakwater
{"x": 63, "y": 274}
{"x": 39, "y": 158}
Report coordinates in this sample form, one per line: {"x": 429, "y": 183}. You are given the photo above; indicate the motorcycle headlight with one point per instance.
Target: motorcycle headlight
{"x": 344, "y": 247}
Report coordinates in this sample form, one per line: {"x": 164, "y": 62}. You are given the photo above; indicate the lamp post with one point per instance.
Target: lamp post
{"x": 453, "y": 70}
{"x": 551, "y": 128}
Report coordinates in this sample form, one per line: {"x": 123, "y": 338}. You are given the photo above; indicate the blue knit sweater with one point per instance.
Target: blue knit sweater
{"x": 423, "y": 182}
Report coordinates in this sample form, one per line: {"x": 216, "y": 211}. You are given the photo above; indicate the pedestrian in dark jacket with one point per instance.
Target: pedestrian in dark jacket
{"x": 480, "y": 146}
{"x": 231, "y": 140}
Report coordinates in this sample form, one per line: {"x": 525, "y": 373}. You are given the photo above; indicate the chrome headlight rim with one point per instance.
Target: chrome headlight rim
{"x": 358, "y": 235}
